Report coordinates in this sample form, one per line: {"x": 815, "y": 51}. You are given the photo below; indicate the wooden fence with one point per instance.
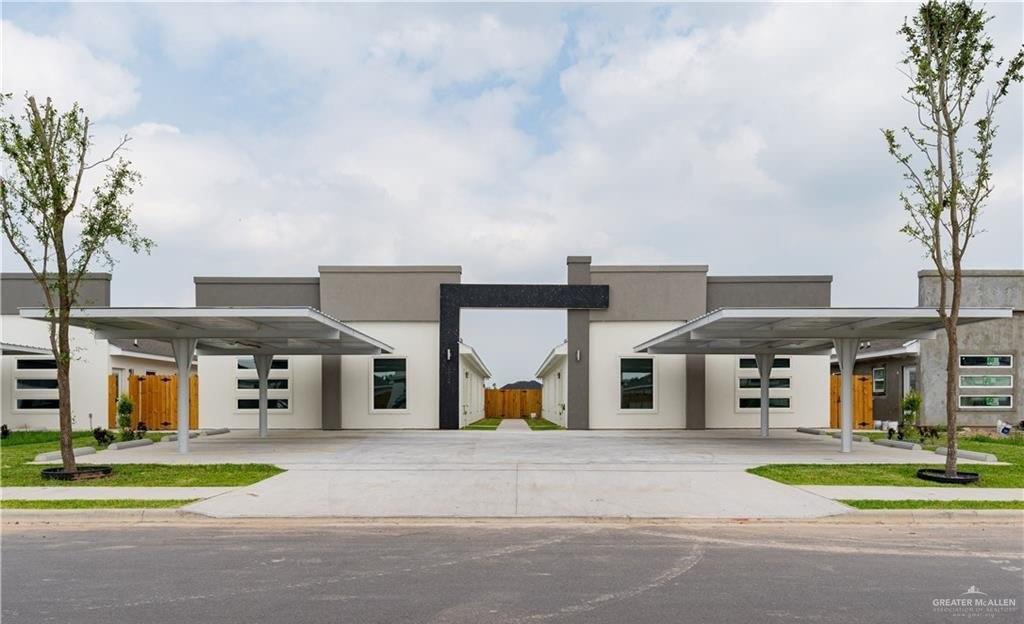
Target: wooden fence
{"x": 511, "y": 403}
{"x": 863, "y": 402}
{"x": 156, "y": 401}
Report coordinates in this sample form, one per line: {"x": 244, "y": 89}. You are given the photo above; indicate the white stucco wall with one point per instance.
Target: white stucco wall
{"x": 471, "y": 393}
{"x": 554, "y": 397}
{"x": 89, "y": 370}
{"x": 611, "y": 340}
{"x": 418, "y": 343}
{"x": 809, "y": 393}
{"x": 218, "y": 394}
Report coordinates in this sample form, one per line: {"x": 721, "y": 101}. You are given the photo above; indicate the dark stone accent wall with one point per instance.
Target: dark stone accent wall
{"x": 330, "y": 392}
{"x": 695, "y": 399}
{"x": 21, "y": 290}
{"x": 454, "y": 297}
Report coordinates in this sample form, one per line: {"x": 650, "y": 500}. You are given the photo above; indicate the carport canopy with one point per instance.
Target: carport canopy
{"x": 768, "y": 332}
{"x": 261, "y": 332}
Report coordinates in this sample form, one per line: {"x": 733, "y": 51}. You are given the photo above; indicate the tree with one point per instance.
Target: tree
{"x": 45, "y": 159}
{"x": 948, "y": 175}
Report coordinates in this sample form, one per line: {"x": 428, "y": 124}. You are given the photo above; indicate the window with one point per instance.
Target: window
{"x": 254, "y": 404}
{"x": 247, "y": 385}
{"x": 248, "y": 363}
{"x": 986, "y": 381}
{"x": 35, "y": 384}
{"x": 878, "y": 381}
{"x": 986, "y": 401}
{"x": 755, "y": 402}
{"x": 636, "y": 383}
{"x": 986, "y": 361}
{"x": 754, "y": 383}
{"x": 389, "y": 384}
{"x": 254, "y": 384}
{"x": 749, "y": 362}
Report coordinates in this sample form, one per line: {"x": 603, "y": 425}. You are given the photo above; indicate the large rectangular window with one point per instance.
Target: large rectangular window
{"x": 878, "y": 381}
{"x": 389, "y": 384}
{"x": 986, "y": 361}
{"x": 636, "y": 383}
{"x": 37, "y": 364}
{"x": 986, "y": 401}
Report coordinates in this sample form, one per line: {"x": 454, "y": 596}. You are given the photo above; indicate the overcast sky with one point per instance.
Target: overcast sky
{"x": 503, "y": 138}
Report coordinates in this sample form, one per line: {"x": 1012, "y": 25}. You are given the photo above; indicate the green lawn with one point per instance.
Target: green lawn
{"x": 17, "y": 438}
{"x": 484, "y": 424}
{"x": 541, "y": 424}
{"x": 16, "y": 471}
{"x": 82, "y": 503}
{"x": 933, "y": 504}
{"x": 1010, "y": 450}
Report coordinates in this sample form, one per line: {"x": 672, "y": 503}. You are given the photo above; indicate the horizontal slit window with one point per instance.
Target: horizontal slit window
{"x": 38, "y": 404}
{"x": 986, "y": 361}
{"x": 36, "y": 384}
{"x": 254, "y": 404}
{"x": 254, "y": 384}
{"x": 247, "y": 363}
{"x": 754, "y": 383}
{"x": 990, "y": 401}
{"x": 37, "y": 364}
{"x": 986, "y": 381}
{"x": 755, "y": 402}
{"x": 749, "y": 362}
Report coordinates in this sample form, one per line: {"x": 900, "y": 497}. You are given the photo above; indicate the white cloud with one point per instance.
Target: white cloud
{"x": 66, "y": 71}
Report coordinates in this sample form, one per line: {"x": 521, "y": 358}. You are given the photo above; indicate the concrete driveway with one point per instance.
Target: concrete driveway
{"x": 530, "y": 474}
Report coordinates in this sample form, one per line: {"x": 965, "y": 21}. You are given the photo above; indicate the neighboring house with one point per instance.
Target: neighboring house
{"x": 554, "y": 376}
{"x": 991, "y": 362}
{"x": 28, "y": 373}
{"x": 474, "y": 375}
{"x": 523, "y": 385}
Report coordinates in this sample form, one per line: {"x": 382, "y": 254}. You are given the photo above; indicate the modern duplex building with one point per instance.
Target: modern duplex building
{"x": 991, "y": 357}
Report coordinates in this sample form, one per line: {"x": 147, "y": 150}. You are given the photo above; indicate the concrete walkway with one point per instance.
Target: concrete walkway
{"x": 111, "y": 493}
{"x": 614, "y": 474}
{"x": 887, "y": 492}
{"x": 513, "y": 424}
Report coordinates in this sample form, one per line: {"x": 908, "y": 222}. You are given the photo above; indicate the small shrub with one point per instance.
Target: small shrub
{"x": 5, "y": 432}
{"x": 125, "y": 407}
{"x": 103, "y": 436}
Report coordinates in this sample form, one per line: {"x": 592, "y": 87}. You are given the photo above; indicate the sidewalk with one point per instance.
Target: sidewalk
{"x": 892, "y": 493}
{"x": 111, "y": 493}
{"x": 513, "y": 424}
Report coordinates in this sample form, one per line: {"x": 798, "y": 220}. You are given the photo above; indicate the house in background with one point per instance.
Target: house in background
{"x": 474, "y": 375}
{"x": 29, "y": 374}
{"x": 991, "y": 357}
{"x": 554, "y": 375}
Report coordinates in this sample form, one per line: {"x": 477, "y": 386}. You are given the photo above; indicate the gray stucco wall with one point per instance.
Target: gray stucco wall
{"x": 257, "y": 291}
{"x": 21, "y": 290}
{"x": 995, "y": 288}
{"x": 385, "y": 293}
{"x": 652, "y": 293}
{"x": 769, "y": 291}
{"x": 578, "y": 340}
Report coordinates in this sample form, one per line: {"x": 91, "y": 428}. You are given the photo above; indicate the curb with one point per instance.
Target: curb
{"x": 56, "y": 516}
{"x": 127, "y": 444}
{"x": 174, "y": 437}
{"x": 900, "y": 444}
{"x": 210, "y": 432}
{"x": 923, "y": 515}
{"x": 856, "y": 438}
{"x": 972, "y": 455}
{"x": 811, "y": 431}
{"x": 52, "y": 455}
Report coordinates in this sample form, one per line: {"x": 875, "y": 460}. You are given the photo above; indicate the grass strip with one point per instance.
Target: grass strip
{"x": 484, "y": 424}
{"x": 85, "y": 503}
{"x": 933, "y": 504}
{"x": 541, "y": 424}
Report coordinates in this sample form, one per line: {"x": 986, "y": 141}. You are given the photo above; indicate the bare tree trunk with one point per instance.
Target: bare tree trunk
{"x": 67, "y": 452}
{"x": 951, "y": 369}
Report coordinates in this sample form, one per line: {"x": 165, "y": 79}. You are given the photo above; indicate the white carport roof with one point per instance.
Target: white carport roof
{"x": 802, "y": 331}
{"x": 229, "y": 330}
{"x": 10, "y": 348}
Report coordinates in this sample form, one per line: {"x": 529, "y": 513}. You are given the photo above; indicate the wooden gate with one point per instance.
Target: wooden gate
{"x": 156, "y": 401}
{"x": 511, "y": 403}
{"x": 863, "y": 401}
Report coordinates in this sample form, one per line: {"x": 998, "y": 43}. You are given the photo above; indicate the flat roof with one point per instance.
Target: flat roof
{"x": 229, "y": 330}
{"x": 802, "y": 331}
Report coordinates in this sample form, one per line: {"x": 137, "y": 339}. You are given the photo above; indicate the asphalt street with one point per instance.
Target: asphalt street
{"x": 311, "y": 572}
